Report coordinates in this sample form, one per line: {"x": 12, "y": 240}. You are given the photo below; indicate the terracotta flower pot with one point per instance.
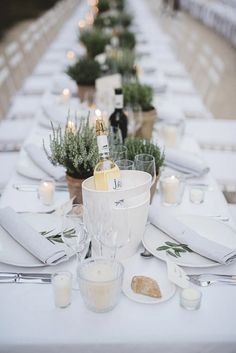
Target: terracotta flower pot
{"x": 85, "y": 91}
{"x": 75, "y": 188}
{"x": 146, "y": 128}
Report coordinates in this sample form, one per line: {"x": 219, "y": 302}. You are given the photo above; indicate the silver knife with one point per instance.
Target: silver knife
{"x": 13, "y": 277}
{"x": 33, "y": 187}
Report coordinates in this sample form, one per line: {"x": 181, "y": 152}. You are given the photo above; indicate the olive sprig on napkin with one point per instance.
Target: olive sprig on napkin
{"x": 174, "y": 249}
{"x": 58, "y": 236}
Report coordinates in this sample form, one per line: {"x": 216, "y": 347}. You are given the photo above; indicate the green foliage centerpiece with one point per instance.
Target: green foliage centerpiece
{"x": 76, "y": 150}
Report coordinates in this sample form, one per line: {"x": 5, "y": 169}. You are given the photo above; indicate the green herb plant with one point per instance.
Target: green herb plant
{"x": 174, "y": 249}
{"x": 94, "y": 41}
{"x": 84, "y": 72}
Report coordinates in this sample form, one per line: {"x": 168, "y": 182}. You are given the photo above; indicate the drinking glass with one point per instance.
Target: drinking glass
{"x": 116, "y": 232}
{"x": 118, "y": 152}
{"x": 125, "y": 164}
{"x": 74, "y": 234}
{"x": 115, "y": 136}
{"x": 146, "y": 163}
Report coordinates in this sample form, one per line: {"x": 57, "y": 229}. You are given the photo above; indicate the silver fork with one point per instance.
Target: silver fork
{"x": 205, "y": 280}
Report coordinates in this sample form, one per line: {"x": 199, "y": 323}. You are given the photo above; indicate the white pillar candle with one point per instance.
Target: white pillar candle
{"x": 196, "y": 195}
{"x": 46, "y": 191}
{"x": 169, "y": 135}
{"x": 70, "y": 55}
{"x": 62, "y": 287}
{"x": 190, "y": 298}
{"x": 70, "y": 126}
{"x": 170, "y": 189}
{"x": 65, "y": 96}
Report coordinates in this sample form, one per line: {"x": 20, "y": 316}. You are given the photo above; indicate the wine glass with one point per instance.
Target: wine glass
{"x": 118, "y": 152}
{"x": 74, "y": 234}
{"x": 116, "y": 231}
{"x": 125, "y": 164}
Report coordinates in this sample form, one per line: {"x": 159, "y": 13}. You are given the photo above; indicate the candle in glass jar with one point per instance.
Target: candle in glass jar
{"x": 170, "y": 135}
{"x": 196, "y": 195}
{"x": 70, "y": 126}
{"x": 62, "y": 287}
{"x": 100, "y": 284}
{"x": 170, "y": 188}
{"x": 46, "y": 191}
{"x": 190, "y": 298}
{"x": 65, "y": 97}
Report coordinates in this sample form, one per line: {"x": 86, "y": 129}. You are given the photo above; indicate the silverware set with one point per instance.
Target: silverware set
{"x": 14, "y": 277}
{"x": 34, "y": 187}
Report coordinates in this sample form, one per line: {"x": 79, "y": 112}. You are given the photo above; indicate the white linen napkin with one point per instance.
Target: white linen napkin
{"x": 38, "y": 156}
{"x": 30, "y": 239}
{"x": 165, "y": 221}
{"x": 185, "y": 162}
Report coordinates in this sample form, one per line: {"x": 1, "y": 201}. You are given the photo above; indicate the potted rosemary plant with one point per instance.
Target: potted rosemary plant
{"x": 138, "y": 145}
{"x": 139, "y": 95}
{"x": 76, "y": 150}
{"x": 84, "y": 72}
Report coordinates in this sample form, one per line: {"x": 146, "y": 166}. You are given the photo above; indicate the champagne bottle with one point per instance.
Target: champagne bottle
{"x": 118, "y": 119}
{"x": 106, "y": 173}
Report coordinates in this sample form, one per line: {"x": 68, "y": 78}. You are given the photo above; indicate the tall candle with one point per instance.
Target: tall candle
{"x": 170, "y": 188}
{"x": 46, "y": 191}
{"x": 170, "y": 135}
{"x": 62, "y": 287}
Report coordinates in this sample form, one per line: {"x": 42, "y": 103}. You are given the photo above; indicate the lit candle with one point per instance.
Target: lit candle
{"x": 169, "y": 135}
{"x": 65, "y": 96}
{"x": 100, "y": 284}
{"x": 196, "y": 195}
{"x": 62, "y": 287}
{"x": 82, "y": 24}
{"x": 70, "y": 126}
{"x": 46, "y": 191}
{"x": 70, "y": 55}
{"x": 190, "y": 298}
{"x": 170, "y": 189}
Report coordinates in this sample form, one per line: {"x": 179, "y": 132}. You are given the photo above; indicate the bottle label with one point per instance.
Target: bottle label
{"x": 102, "y": 144}
{"x": 114, "y": 184}
{"x": 119, "y": 101}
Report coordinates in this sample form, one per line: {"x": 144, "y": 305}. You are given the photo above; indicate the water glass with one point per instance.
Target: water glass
{"x": 114, "y": 136}
{"x": 146, "y": 163}
{"x": 125, "y": 164}
{"x": 118, "y": 152}
{"x": 74, "y": 234}
{"x": 100, "y": 282}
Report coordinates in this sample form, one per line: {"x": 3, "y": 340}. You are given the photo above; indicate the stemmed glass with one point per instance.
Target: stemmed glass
{"x": 118, "y": 152}
{"x": 74, "y": 234}
{"x": 125, "y": 164}
{"x": 146, "y": 163}
{"x": 116, "y": 232}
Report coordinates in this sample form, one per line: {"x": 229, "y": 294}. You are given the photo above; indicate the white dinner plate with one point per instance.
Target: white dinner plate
{"x": 135, "y": 267}
{"x": 12, "y": 253}
{"x": 206, "y": 226}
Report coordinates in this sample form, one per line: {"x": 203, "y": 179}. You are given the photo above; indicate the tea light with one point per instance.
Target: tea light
{"x": 169, "y": 135}
{"x": 46, "y": 191}
{"x": 196, "y": 195}
{"x": 170, "y": 189}
{"x": 190, "y": 298}
{"x": 100, "y": 284}
{"x": 62, "y": 287}
{"x": 82, "y": 24}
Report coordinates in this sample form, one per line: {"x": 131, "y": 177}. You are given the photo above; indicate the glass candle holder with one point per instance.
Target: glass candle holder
{"x": 190, "y": 298}
{"x": 62, "y": 288}
{"x": 100, "y": 282}
{"x": 196, "y": 195}
{"x": 171, "y": 132}
{"x": 46, "y": 191}
{"x": 172, "y": 189}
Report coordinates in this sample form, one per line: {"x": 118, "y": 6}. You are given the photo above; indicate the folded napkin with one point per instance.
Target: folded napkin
{"x": 185, "y": 162}
{"x": 38, "y": 156}
{"x": 63, "y": 81}
{"x": 56, "y": 114}
{"x": 30, "y": 239}
{"x": 177, "y": 230}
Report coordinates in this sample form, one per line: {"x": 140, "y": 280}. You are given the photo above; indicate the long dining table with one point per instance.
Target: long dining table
{"x": 30, "y": 322}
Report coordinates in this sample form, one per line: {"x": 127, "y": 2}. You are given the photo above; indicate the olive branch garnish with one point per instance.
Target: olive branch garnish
{"x": 69, "y": 233}
{"x": 174, "y": 249}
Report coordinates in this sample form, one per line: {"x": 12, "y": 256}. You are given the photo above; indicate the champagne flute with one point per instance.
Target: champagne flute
{"x": 75, "y": 235}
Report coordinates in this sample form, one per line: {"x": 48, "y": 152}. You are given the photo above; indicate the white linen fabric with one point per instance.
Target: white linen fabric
{"x": 165, "y": 221}
{"x": 38, "y": 156}
{"x": 55, "y": 114}
{"x": 30, "y": 239}
{"x": 185, "y": 162}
